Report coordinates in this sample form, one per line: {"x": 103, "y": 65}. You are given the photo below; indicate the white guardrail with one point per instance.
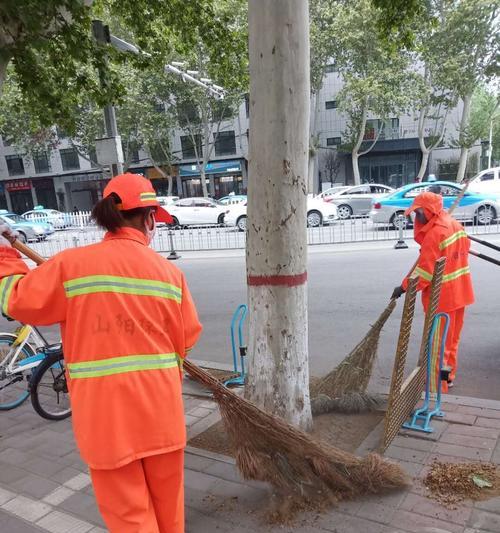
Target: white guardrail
{"x": 81, "y": 231}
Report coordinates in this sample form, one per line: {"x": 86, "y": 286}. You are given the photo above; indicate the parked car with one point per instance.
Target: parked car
{"x": 481, "y": 208}
{"x": 232, "y": 199}
{"x": 486, "y": 182}
{"x": 167, "y": 200}
{"x": 56, "y": 218}
{"x": 332, "y": 190}
{"x": 357, "y": 200}
{"x": 318, "y": 212}
{"x": 197, "y": 212}
{"x": 28, "y": 231}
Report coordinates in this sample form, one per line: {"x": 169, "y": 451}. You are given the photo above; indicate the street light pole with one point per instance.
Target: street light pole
{"x": 102, "y": 36}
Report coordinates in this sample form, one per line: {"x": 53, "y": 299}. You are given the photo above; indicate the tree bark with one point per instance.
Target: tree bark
{"x": 278, "y": 378}
{"x": 313, "y": 158}
{"x": 357, "y": 146}
{"x": 464, "y": 149}
{"x": 4, "y": 63}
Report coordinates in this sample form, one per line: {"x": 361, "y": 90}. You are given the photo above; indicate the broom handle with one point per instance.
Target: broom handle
{"x": 27, "y": 251}
{"x": 485, "y": 257}
{"x": 484, "y": 243}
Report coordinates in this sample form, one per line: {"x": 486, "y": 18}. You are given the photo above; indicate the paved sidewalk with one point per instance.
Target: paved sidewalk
{"x": 45, "y": 487}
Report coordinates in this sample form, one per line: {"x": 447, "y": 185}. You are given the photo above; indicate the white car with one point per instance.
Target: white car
{"x": 52, "y": 216}
{"x": 486, "y": 182}
{"x": 318, "y": 212}
{"x": 167, "y": 200}
{"x": 197, "y": 212}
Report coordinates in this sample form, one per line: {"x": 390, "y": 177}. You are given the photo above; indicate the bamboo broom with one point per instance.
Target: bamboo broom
{"x": 344, "y": 388}
{"x": 305, "y": 473}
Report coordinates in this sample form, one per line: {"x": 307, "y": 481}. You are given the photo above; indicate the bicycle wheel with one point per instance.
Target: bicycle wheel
{"x": 49, "y": 390}
{"x": 13, "y": 387}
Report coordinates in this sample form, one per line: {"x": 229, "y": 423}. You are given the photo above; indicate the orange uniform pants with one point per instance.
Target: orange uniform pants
{"x": 145, "y": 496}
{"x": 452, "y": 342}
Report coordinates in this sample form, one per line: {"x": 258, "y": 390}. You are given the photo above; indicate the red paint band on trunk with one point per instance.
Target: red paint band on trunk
{"x": 285, "y": 280}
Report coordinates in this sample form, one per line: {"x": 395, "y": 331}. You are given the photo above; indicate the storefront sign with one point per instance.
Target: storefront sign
{"x": 86, "y": 177}
{"x": 18, "y": 185}
{"x": 218, "y": 167}
{"x": 45, "y": 183}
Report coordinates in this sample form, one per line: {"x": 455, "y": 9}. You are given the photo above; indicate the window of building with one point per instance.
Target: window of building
{"x": 187, "y": 113}
{"x": 331, "y": 104}
{"x": 330, "y": 68}
{"x": 69, "y": 159}
{"x": 225, "y": 143}
{"x": 333, "y": 141}
{"x": 134, "y": 156}
{"x": 188, "y": 151}
{"x": 159, "y": 107}
{"x": 15, "y": 165}
{"x": 222, "y": 110}
{"x": 42, "y": 163}
{"x": 61, "y": 133}
{"x": 6, "y": 141}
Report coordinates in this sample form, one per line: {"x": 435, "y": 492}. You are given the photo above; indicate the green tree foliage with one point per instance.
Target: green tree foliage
{"x": 50, "y": 45}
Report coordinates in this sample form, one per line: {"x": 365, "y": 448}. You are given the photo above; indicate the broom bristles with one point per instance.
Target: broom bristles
{"x": 354, "y": 372}
{"x": 269, "y": 449}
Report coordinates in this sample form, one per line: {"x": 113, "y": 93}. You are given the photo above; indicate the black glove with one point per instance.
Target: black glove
{"x": 397, "y": 292}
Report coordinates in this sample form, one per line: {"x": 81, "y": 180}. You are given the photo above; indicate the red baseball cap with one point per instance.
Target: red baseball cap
{"x": 136, "y": 191}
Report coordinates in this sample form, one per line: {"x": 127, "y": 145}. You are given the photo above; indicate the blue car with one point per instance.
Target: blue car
{"x": 28, "y": 231}
{"x": 476, "y": 207}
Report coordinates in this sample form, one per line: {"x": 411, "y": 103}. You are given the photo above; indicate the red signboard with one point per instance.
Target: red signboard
{"x": 18, "y": 185}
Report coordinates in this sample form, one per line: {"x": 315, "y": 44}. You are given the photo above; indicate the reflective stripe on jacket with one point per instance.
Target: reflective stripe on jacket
{"x": 127, "y": 321}
{"x": 443, "y": 236}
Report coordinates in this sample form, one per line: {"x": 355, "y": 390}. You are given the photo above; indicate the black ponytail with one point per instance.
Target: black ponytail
{"x": 109, "y": 217}
{"x": 106, "y": 213}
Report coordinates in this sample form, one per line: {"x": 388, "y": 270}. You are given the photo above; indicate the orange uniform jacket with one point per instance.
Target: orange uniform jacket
{"x": 443, "y": 236}
{"x": 127, "y": 320}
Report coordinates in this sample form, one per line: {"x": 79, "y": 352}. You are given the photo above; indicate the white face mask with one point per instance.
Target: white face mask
{"x": 150, "y": 232}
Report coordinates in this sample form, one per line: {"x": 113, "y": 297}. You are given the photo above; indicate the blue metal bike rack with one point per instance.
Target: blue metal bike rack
{"x": 240, "y": 314}
{"x": 424, "y": 414}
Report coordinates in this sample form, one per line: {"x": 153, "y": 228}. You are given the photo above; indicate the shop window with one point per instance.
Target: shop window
{"x": 225, "y": 143}
{"x": 188, "y": 151}
{"x": 69, "y": 159}
{"x": 333, "y": 141}
{"x": 331, "y": 104}
{"x": 42, "y": 163}
{"x": 15, "y": 165}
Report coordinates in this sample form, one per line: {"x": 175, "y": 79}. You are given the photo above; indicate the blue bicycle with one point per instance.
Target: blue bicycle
{"x": 30, "y": 366}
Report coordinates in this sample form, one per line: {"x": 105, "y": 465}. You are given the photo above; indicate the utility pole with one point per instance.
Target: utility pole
{"x": 102, "y": 36}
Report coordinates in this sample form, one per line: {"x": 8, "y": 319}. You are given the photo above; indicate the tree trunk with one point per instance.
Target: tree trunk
{"x": 4, "y": 63}
{"x": 203, "y": 179}
{"x": 170, "y": 184}
{"x": 423, "y": 165}
{"x": 278, "y": 379}
{"x": 313, "y": 157}
{"x": 464, "y": 149}
{"x": 357, "y": 146}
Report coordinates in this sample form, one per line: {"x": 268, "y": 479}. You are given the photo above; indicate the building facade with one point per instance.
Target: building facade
{"x": 63, "y": 179}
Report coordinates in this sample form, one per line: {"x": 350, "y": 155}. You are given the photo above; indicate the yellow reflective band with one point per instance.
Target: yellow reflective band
{"x": 6, "y": 286}
{"x": 123, "y": 285}
{"x": 453, "y": 238}
{"x": 456, "y": 274}
{"x": 423, "y": 273}
{"x": 123, "y": 364}
{"x": 148, "y": 196}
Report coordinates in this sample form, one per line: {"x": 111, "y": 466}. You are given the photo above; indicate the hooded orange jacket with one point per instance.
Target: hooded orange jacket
{"x": 442, "y": 236}
{"x": 127, "y": 321}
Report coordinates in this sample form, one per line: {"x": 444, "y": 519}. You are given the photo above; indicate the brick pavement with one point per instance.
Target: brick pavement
{"x": 45, "y": 487}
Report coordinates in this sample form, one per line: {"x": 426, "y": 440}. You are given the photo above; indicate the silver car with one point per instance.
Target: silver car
{"x": 357, "y": 200}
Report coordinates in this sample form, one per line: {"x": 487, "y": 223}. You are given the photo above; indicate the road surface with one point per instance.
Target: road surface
{"x": 347, "y": 292}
